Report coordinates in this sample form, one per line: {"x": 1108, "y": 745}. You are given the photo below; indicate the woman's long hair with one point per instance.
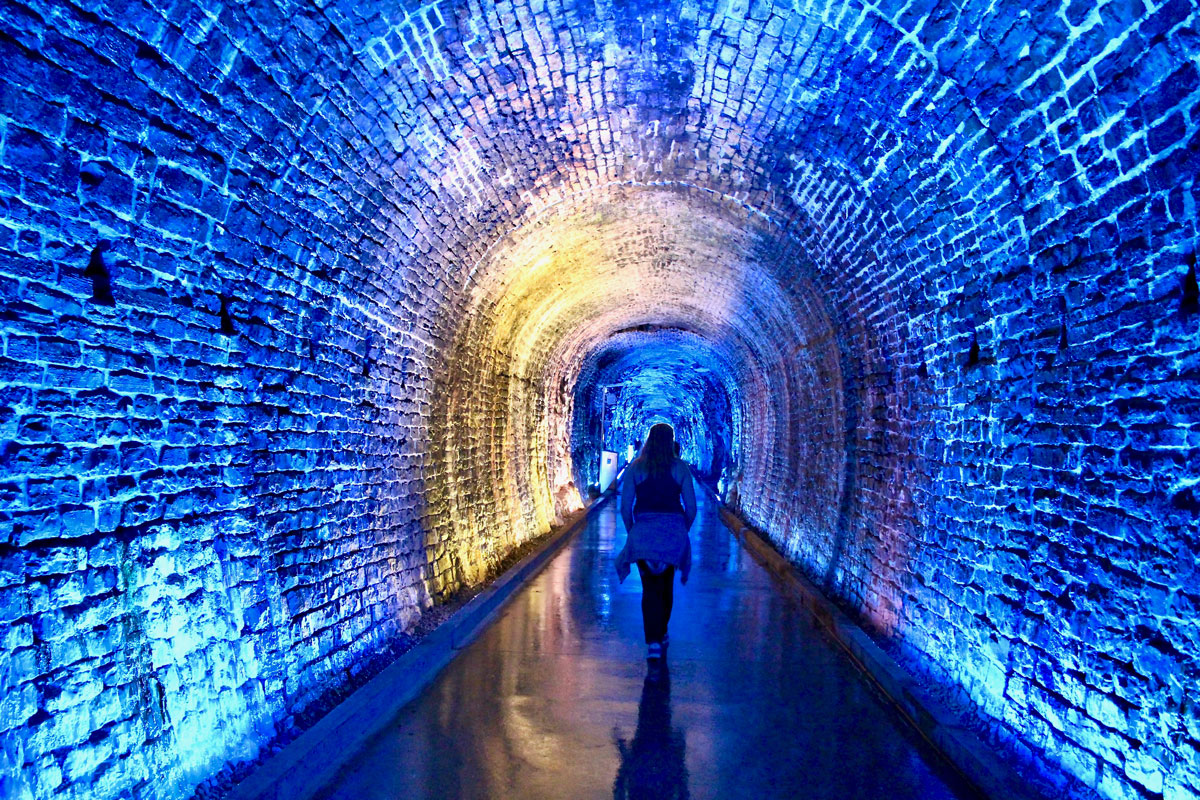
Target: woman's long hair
{"x": 658, "y": 453}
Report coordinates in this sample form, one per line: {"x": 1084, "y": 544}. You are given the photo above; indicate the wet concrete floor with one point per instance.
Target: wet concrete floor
{"x": 557, "y": 700}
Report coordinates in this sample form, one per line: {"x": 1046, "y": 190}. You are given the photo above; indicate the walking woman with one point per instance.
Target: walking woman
{"x": 658, "y": 504}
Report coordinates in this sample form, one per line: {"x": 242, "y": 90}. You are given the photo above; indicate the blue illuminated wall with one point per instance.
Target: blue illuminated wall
{"x": 305, "y": 306}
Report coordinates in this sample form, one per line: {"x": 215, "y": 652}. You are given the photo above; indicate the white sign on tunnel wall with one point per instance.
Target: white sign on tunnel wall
{"x": 608, "y": 469}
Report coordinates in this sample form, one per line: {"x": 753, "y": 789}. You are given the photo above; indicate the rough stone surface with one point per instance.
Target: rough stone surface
{"x": 300, "y": 301}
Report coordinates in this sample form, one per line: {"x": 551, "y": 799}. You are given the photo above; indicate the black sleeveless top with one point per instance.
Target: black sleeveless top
{"x": 657, "y": 494}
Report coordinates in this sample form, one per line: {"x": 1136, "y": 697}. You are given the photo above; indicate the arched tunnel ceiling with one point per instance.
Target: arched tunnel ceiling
{"x": 619, "y": 258}
{"x": 781, "y": 109}
{"x": 633, "y": 257}
{"x": 366, "y": 259}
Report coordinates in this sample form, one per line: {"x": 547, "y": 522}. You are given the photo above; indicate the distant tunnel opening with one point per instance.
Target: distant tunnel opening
{"x": 638, "y": 379}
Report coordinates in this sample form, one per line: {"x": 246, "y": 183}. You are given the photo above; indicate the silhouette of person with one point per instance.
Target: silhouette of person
{"x": 653, "y": 765}
{"x": 658, "y": 505}
{"x": 717, "y": 465}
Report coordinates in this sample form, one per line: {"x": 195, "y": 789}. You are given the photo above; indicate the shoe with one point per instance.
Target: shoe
{"x": 653, "y": 650}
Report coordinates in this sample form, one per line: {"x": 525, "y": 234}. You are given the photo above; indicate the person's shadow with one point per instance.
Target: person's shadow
{"x": 652, "y": 764}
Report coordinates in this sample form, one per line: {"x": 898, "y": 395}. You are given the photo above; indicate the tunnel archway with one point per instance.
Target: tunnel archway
{"x": 642, "y": 377}
{"x": 363, "y": 257}
{"x": 629, "y": 257}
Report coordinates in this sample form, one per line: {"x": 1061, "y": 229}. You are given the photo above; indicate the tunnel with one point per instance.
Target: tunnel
{"x": 315, "y": 313}
{"x": 644, "y": 377}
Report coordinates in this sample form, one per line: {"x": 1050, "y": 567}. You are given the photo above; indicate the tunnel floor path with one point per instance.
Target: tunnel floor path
{"x": 557, "y": 700}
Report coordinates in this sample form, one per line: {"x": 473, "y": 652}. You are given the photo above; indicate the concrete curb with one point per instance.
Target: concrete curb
{"x": 310, "y": 761}
{"x": 977, "y": 763}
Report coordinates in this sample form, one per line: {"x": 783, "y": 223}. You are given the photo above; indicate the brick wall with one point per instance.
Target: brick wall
{"x": 299, "y": 303}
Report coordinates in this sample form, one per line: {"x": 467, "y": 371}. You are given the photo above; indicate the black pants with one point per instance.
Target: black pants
{"x": 658, "y": 591}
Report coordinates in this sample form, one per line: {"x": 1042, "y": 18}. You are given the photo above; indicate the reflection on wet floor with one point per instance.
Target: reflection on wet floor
{"x": 556, "y": 699}
{"x": 654, "y": 761}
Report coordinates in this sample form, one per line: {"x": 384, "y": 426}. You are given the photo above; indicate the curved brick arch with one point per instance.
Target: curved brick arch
{"x": 970, "y": 229}
{"x": 617, "y": 261}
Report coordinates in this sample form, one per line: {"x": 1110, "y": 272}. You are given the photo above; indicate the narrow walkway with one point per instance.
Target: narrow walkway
{"x": 556, "y": 699}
